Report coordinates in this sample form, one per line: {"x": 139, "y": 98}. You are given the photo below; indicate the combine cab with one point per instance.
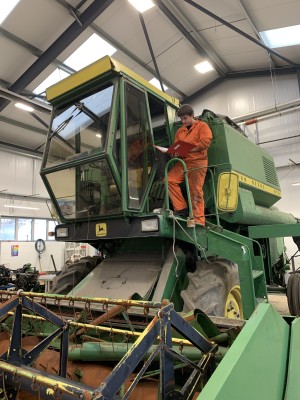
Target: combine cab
{"x": 131, "y": 322}
{"x": 106, "y": 181}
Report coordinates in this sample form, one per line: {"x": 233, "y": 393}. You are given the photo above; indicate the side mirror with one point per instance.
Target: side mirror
{"x": 228, "y": 190}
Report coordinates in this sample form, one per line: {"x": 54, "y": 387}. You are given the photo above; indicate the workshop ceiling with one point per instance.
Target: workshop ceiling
{"x": 165, "y": 42}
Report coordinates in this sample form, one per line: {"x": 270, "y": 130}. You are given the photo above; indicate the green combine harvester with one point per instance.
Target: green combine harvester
{"x": 167, "y": 309}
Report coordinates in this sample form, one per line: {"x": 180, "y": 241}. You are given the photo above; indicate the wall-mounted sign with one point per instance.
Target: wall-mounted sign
{"x": 14, "y": 250}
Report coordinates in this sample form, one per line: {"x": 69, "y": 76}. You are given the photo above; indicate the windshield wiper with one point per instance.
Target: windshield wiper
{"x": 61, "y": 126}
{"x": 87, "y": 111}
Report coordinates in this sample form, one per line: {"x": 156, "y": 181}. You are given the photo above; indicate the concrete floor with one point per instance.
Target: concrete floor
{"x": 279, "y": 302}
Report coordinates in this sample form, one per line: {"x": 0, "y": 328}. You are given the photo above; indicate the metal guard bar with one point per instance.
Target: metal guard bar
{"x": 21, "y": 375}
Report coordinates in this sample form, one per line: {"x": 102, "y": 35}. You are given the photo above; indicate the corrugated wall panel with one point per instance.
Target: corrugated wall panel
{"x": 240, "y": 97}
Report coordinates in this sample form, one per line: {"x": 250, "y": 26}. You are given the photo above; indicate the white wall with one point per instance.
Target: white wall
{"x": 27, "y": 254}
{"x": 19, "y": 176}
{"x": 243, "y": 96}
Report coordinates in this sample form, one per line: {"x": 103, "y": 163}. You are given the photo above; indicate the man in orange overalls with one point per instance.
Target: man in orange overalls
{"x": 199, "y": 134}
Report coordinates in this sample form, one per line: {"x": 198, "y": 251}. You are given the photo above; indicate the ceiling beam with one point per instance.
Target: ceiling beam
{"x": 14, "y": 148}
{"x": 22, "y": 125}
{"x": 199, "y": 49}
{"x": 64, "y": 40}
{"x": 33, "y": 50}
{"x": 179, "y": 13}
{"x": 151, "y": 51}
{"x": 253, "y": 26}
{"x": 239, "y": 31}
{"x": 122, "y": 48}
{"x": 239, "y": 75}
{"x": 37, "y": 105}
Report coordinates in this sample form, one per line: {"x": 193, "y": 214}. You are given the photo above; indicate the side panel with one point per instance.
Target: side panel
{"x": 255, "y": 365}
{"x": 293, "y": 381}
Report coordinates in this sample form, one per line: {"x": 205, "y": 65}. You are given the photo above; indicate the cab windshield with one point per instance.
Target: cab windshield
{"x": 80, "y": 129}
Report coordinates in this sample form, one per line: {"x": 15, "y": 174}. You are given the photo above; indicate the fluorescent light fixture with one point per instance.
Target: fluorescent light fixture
{"x": 295, "y": 183}
{"x": 142, "y": 5}
{"x": 6, "y": 8}
{"x": 98, "y": 135}
{"x": 23, "y": 207}
{"x": 90, "y": 51}
{"x": 155, "y": 82}
{"x": 204, "y": 67}
{"x": 282, "y": 37}
{"x": 24, "y": 107}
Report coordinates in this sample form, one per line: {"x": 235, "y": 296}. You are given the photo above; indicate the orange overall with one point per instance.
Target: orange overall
{"x": 200, "y": 135}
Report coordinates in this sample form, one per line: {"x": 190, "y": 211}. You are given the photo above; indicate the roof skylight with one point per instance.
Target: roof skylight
{"x": 91, "y": 50}
{"x": 142, "y": 5}
{"x": 282, "y": 37}
{"x": 155, "y": 82}
{"x": 6, "y": 8}
{"x": 204, "y": 67}
{"x": 53, "y": 78}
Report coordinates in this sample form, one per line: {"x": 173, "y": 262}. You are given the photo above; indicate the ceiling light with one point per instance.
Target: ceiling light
{"x": 155, "y": 82}
{"x": 204, "y": 67}
{"x": 142, "y": 5}
{"x": 98, "y": 135}
{"x": 6, "y": 8}
{"x": 295, "y": 183}
{"x": 282, "y": 37}
{"x": 23, "y": 207}
{"x": 23, "y": 106}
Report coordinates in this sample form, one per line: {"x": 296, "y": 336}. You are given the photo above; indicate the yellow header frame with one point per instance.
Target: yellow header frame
{"x": 100, "y": 67}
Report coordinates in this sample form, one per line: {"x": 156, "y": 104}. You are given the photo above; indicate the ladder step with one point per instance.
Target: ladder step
{"x": 256, "y": 273}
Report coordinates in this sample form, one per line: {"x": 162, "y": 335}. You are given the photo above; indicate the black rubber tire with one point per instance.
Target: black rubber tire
{"x": 210, "y": 285}
{"x": 293, "y": 294}
{"x": 72, "y": 274}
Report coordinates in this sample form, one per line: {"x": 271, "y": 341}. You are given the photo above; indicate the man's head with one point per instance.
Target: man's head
{"x": 186, "y": 114}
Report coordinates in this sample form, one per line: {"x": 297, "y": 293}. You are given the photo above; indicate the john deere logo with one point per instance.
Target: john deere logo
{"x": 101, "y": 230}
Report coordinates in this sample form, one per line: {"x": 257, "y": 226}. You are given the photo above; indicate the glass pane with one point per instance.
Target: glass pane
{"x": 81, "y": 129}
{"x": 40, "y": 227}
{"x": 86, "y": 190}
{"x": 51, "y": 228}
{"x": 8, "y": 229}
{"x": 140, "y": 155}
{"x": 24, "y": 229}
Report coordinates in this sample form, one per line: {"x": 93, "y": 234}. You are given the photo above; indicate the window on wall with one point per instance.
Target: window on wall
{"x": 8, "y": 229}
{"x": 40, "y": 229}
{"x": 26, "y": 229}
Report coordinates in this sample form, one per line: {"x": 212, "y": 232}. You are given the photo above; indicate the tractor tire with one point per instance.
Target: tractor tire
{"x": 293, "y": 293}
{"x": 72, "y": 274}
{"x": 214, "y": 289}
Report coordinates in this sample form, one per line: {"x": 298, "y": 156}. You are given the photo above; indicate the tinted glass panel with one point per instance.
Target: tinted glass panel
{"x": 140, "y": 155}
{"x": 85, "y": 191}
{"x": 81, "y": 128}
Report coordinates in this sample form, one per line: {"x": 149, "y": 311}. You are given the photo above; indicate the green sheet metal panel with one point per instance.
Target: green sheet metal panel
{"x": 232, "y": 150}
{"x": 293, "y": 379}
{"x": 255, "y": 365}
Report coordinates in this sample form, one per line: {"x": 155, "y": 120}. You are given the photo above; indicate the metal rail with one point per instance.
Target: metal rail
{"x": 16, "y": 365}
